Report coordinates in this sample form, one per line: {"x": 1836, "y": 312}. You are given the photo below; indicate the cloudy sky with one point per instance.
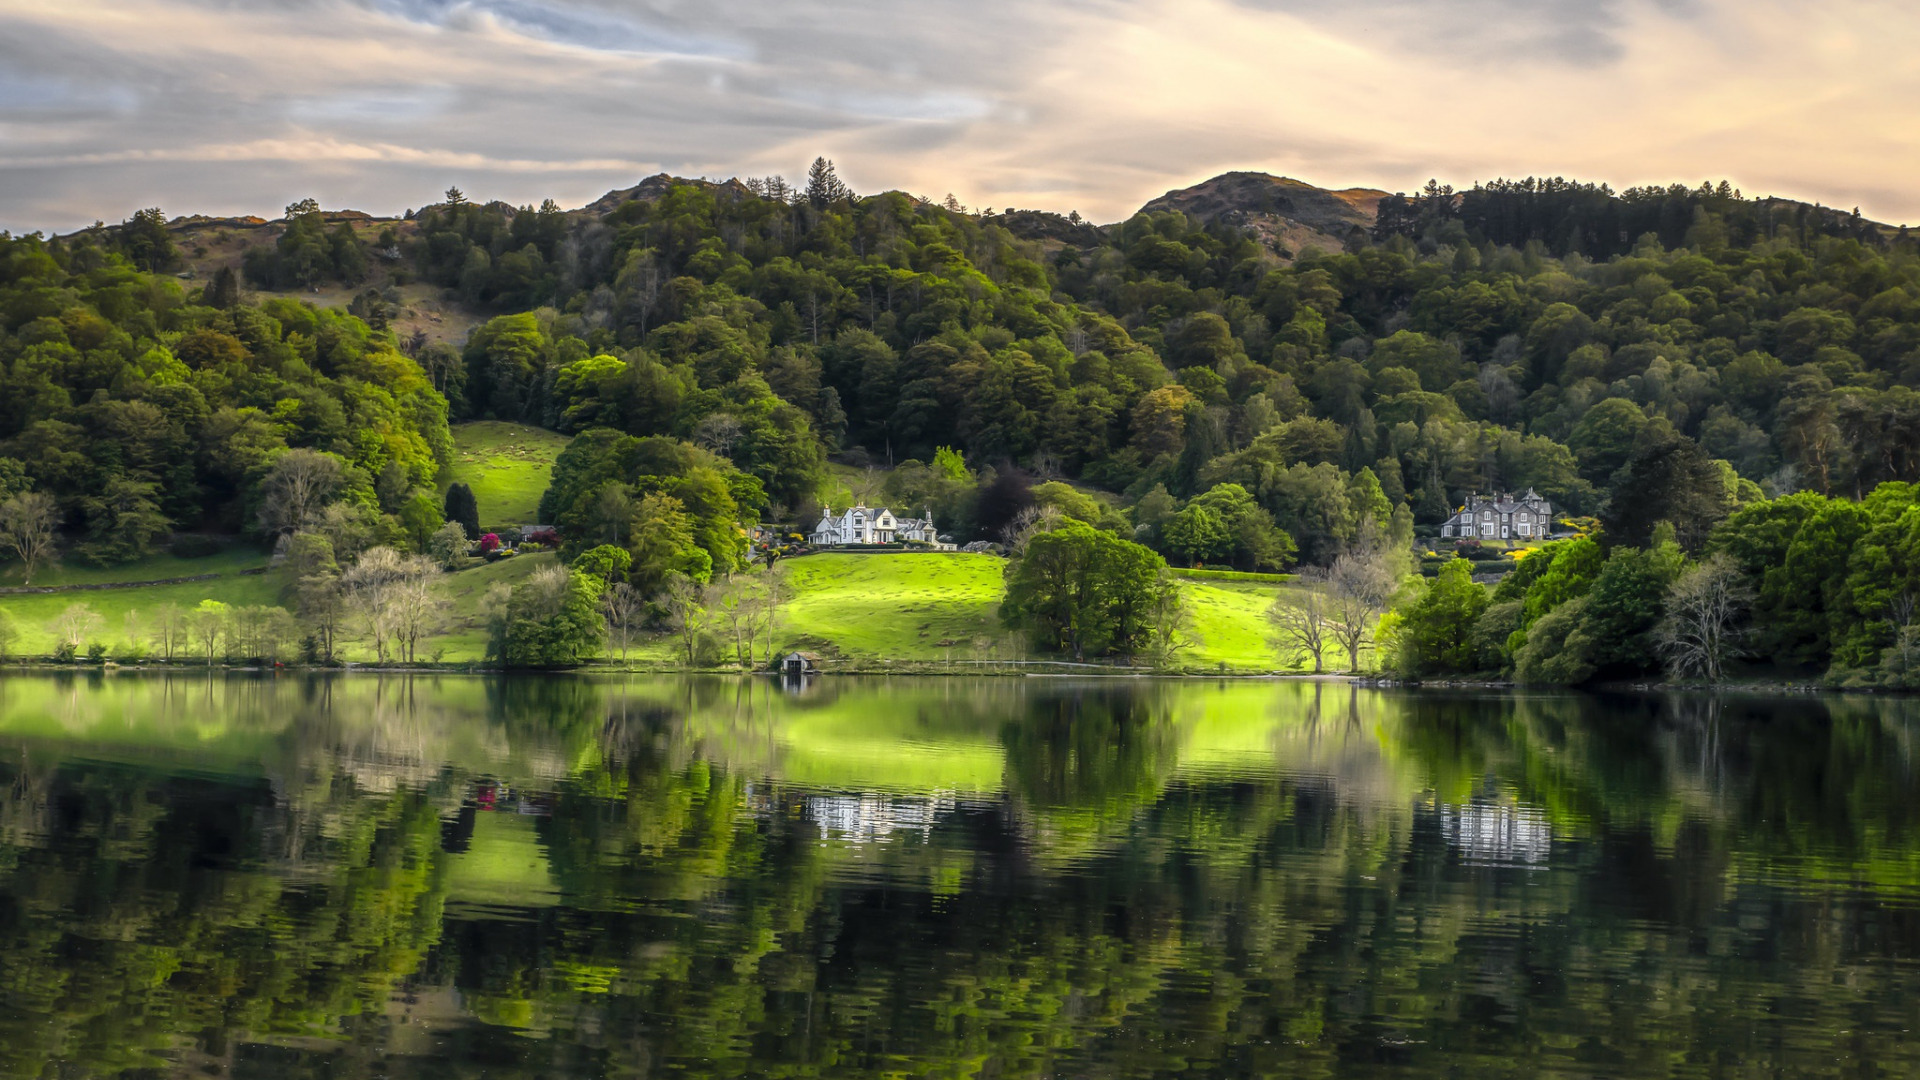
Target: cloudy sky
{"x": 241, "y": 106}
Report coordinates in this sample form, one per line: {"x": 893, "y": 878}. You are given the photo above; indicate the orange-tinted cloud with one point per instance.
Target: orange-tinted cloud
{"x": 1095, "y": 105}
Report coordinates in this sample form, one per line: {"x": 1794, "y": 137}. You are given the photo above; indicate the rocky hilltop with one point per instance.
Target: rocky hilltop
{"x": 1289, "y": 214}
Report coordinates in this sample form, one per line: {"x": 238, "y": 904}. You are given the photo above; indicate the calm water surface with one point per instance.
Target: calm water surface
{"x": 569, "y": 877}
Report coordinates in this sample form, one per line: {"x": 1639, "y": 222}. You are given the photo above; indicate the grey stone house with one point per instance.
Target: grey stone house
{"x": 1502, "y": 516}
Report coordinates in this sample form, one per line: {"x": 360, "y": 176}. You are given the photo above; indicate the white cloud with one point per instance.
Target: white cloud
{"x": 1095, "y": 105}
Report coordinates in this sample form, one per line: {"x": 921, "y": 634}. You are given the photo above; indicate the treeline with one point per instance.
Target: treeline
{"x": 1567, "y": 217}
{"x": 307, "y": 252}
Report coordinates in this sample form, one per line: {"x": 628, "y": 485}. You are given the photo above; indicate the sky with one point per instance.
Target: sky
{"x": 243, "y": 106}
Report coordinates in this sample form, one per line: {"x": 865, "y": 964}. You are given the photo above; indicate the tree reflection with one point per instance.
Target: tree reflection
{"x": 423, "y": 876}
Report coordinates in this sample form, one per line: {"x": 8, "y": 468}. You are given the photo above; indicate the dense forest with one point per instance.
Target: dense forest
{"x": 1696, "y": 371}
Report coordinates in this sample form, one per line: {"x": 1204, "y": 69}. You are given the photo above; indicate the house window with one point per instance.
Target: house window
{"x": 1526, "y": 529}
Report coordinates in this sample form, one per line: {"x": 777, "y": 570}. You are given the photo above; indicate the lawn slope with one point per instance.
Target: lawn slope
{"x": 124, "y": 611}
{"x": 893, "y": 607}
{"x": 506, "y": 465}
{"x": 900, "y": 607}
{"x": 1230, "y": 620}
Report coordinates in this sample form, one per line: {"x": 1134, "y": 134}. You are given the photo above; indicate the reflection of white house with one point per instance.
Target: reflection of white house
{"x": 1492, "y": 834}
{"x": 861, "y": 525}
{"x": 1501, "y": 517}
{"x": 867, "y": 819}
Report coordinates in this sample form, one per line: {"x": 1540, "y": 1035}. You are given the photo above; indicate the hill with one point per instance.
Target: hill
{"x": 1288, "y": 214}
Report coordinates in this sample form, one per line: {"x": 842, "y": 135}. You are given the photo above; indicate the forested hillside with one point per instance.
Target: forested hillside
{"x": 1647, "y": 357}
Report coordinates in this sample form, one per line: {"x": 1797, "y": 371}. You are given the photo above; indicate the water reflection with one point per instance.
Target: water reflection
{"x": 440, "y": 876}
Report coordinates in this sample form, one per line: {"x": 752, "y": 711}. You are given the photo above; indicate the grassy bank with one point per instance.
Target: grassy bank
{"x": 1230, "y": 619}
{"x": 916, "y": 610}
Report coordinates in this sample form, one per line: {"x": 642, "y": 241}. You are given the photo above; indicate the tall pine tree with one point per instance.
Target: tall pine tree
{"x": 823, "y": 185}
{"x": 462, "y": 507}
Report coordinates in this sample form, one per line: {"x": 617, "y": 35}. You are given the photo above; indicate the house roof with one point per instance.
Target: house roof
{"x": 1502, "y": 503}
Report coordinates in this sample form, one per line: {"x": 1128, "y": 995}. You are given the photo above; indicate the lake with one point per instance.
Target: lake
{"x": 554, "y": 877}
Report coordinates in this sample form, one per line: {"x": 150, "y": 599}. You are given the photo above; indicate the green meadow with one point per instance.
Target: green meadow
{"x": 124, "y": 613}
{"x": 506, "y": 465}
{"x": 902, "y": 607}
{"x": 893, "y": 607}
{"x": 911, "y": 608}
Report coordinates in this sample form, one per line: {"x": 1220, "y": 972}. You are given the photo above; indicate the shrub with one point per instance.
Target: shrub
{"x": 1232, "y": 575}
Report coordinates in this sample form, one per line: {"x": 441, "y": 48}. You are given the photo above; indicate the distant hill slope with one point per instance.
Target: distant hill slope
{"x": 1287, "y": 213}
{"x": 507, "y": 465}
{"x": 653, "y": 187}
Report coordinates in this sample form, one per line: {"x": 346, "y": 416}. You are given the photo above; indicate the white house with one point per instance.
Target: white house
{"x": 919, "y": 530}
{"x": 862, "y": 525}
{"x": 1501, "y": 517}
{"x": 859, "y": 525}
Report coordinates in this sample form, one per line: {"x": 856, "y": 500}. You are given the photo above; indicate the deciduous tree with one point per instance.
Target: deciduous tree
{"x": 1701, "y": 631}
{"x": 27, "y": 528}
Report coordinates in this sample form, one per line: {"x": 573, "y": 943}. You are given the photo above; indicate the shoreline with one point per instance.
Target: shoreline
{"x": 918, "y": 669}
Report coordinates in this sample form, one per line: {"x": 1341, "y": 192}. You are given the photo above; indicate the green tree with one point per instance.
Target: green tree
{"x": 1668, "y": 478}
{"x": 824, "y": 188}
{"x": 1083, "y": 592}
{"x": 552, "y": 620}
{"x": 421, "y": 517}
{"x": 605, "y": 562}
{"x": 1252, "y": 540}
{"x": 951, "y": 464}
{"x": 148, "y": 242}
{"x": 461, "y": 507}
{"x": 1624, "y": 607}
{"x": 123, "y": 521}
{"x": 1196, "y": 534}
{"x": 448, "y": 545}
{"x": 207, "y": 626}
{"x": 28, "y": 523}
{"x": 1605, "y": 438}
{"x": 1436, "y": 626}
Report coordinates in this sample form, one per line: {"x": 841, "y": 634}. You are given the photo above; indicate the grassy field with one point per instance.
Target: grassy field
{"x": 230, "y": 561}
{"x": 463, "y": 641}
{"x": 506, "y": 465}
{"x": 860, "y": 607}
{"x": 465, "y": 638}
{"x": 900, "y": 607}
{"x": 33, "y": 613}
{"x": 897, "y": 607}
{"x": 1230, "y": 619}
